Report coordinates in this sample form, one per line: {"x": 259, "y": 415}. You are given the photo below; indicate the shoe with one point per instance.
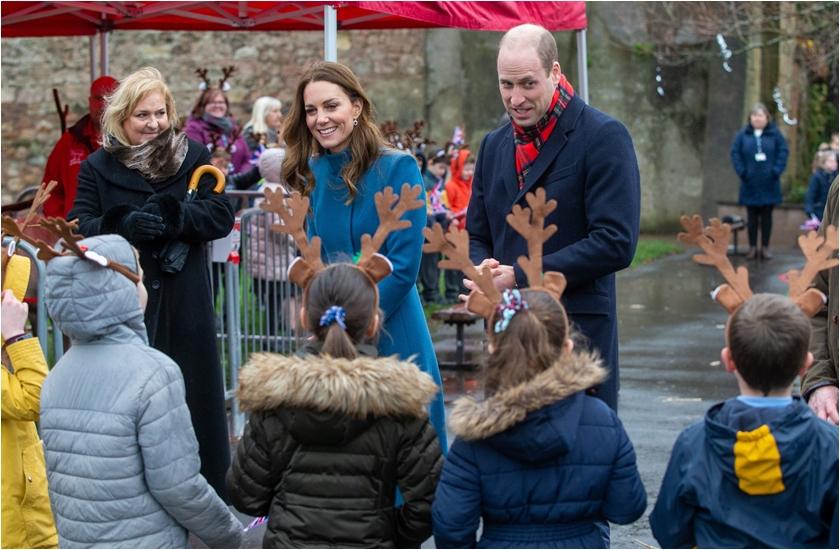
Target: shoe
{"x": 765, "y": 254}
{"x": 751, "y": 253}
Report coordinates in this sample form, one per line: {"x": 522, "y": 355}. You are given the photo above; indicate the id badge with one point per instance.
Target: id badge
{"x": 760, "y": 157}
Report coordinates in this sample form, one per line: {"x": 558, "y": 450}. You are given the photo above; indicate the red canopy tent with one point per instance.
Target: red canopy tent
{"x": 77, "y": 18}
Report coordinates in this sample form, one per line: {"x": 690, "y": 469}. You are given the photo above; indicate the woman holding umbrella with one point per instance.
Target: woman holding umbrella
{"x": 136, "y": 186}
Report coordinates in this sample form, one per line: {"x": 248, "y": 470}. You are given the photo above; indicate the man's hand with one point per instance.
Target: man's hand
{"x": 14, "y": 316}
{"x": 503, "y": 276}
{"x": 823, "y": 402}
{"x": 491, "y": 263}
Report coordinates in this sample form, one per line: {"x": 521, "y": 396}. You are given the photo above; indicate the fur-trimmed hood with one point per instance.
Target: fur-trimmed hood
{"x": 536, "y": 417}
{"x": 359, "y": 388}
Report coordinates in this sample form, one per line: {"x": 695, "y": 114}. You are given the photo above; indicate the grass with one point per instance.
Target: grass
{"x": 650, "y": 249}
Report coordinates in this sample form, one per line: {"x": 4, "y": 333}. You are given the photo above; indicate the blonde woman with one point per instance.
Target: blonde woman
{"x": 262, "y": 130}
{"x": 134, "y": 186}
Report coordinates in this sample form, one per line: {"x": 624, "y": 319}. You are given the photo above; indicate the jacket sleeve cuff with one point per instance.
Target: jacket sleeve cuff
{"x": 810, "y": 391}
{"x": 521, "y": 279}
{"x": 27, "y": 352}
{"x": 112, "y": 218}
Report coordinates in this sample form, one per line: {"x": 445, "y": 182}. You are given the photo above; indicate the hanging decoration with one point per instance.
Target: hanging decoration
{"x": 725, "y": 52}
{"x": 780, "y": 106}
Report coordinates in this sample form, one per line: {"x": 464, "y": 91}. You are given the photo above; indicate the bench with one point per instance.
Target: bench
{"x": 463, "y": 361}
{"x": 737, "y": 224}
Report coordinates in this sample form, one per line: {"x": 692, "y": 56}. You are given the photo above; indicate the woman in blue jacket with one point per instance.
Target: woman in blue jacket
{"x": 335, "y": 154}
{"x": 759, "y": 156}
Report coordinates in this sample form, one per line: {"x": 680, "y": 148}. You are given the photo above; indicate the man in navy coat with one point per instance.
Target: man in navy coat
{"x": 582, "y": 158}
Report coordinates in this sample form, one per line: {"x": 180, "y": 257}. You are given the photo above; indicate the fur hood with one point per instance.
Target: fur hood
{"x": 575, "y": 372}
{"x": 359, "y": 388}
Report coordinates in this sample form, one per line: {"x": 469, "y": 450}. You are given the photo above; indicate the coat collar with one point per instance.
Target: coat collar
{"x": 116, "y": 173}
{"x": 570, "y": 374}
{"x": 359, "y": 387}
{"x": 556, "y": 142}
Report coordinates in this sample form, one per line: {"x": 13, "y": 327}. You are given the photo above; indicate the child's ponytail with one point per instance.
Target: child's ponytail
{"x": 336, "y": 343}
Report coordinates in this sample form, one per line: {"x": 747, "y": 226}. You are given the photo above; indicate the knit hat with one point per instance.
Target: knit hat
{"x": 270, "y": 163}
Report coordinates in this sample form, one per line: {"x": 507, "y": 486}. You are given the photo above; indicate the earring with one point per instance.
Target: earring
{"x": 355, "y": 122}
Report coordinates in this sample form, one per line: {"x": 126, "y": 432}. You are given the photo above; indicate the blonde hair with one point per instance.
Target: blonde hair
{"x": 131, "y": 91}
{"x": 262, "y": 106}
{"x": 365, "y": 140}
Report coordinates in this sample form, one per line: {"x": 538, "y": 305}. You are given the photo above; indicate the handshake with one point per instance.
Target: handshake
{"x": 160, "y": 218}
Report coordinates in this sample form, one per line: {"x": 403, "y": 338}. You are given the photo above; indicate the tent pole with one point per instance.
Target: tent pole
{"x": 583, "y": 71}
{"x": 103, "y": 53}
{"x": 92, "y": 53}
{"x": 330, "y": 34}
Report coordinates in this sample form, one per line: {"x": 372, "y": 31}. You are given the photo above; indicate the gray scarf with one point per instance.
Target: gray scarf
{"x": 158, "y": 159}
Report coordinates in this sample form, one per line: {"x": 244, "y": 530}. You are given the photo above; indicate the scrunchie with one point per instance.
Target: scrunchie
{"x": 511, "y": 304}
{"x": 335, "y": 314}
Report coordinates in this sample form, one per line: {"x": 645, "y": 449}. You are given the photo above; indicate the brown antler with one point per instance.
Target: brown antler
{"x": 17, "y": 231}
{"x": 818, "y": 253}
{"x": 455, "y": 245}
{"x": 389, "y": 216}
{"x": 202, "y": 74}
{"x": 226, "y": 72}
{"x": 714, "y": 241}
{"x": 293, "y": 211}
{"x": 530, "y": 222}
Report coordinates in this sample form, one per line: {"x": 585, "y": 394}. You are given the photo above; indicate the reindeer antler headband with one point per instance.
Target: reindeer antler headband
{"x": 294, "y": 209}
{"x": 714, "y": 241}
{"x": 64, "y": 230}
{"x": 223, "y": 82}
{"x": 528, "y": 222}
{"x": 12, "y": 227}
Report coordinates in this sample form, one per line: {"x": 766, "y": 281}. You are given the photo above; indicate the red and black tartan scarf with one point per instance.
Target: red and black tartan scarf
{"x": 529, "y": 141}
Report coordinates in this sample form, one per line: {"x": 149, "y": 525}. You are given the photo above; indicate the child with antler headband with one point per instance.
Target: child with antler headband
{"x": 542, "y": 463}
{"x": 121, "y": 453}
{"x": 761, "y": 470}
{"x": 334, "y": 431}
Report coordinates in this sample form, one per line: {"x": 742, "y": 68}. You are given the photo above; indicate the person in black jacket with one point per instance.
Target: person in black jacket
{"x": 134, "y": 186}
{"x": 334, "y": 432}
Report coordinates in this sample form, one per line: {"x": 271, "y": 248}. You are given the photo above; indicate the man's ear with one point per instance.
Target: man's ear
{"x": 555, "y": 73}
{"x": 726, "y": 359}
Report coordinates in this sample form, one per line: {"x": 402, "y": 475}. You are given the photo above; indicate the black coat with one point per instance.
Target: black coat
{"x": 589, "y": 166}
{"x": 327, "y": 444}
{"x": 180, "y": 319}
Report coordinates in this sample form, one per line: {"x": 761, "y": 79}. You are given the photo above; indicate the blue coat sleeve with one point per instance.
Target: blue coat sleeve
{"x": 405, "y": 247}
{"x": 672, "y": 518}
{"x": 481, "y": 243}
{"x": 781, "y": 155}
{"x": 456, "y": 510}
{"x": 612, "y": 199}
{"x": 626, "y": 498}
{"x": 735, "y": 156}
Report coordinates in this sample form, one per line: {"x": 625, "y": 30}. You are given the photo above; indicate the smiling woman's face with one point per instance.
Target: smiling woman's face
{"x": 148, "y": 119}
{"x": 329, "y": 114}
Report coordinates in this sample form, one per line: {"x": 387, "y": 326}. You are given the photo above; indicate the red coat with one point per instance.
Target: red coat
{"x": 458, "y": 190}
{"x": 74, "y": 146}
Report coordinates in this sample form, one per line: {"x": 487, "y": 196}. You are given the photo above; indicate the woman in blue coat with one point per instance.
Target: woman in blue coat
{"x": 336, "y": 155}
{"x": 759, "y": 156}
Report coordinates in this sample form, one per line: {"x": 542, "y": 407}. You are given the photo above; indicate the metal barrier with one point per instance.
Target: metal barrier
{"x": 43, "y": 326}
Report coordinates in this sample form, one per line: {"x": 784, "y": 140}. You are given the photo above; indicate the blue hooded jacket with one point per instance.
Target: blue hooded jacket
{"x": 542, "y": 463}
{"x": 751, "y": 477}
{"x": 760, "y": 183}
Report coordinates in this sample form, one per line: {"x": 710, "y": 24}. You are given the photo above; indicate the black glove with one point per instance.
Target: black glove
{"x": 168, "y": 208}
{"x": 139, "y": 226}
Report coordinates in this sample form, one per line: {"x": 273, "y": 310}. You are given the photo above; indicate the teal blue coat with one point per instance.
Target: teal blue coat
{"x": 341, "y": 226}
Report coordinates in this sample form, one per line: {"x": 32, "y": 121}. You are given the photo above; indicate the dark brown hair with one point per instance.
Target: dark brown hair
{"x": 768, "y": 340}
{"x": 531, "y": 343}
{"x": 204, "y": 99}
{"x": 347, "y": 286}
{"x": 365, "y": 140}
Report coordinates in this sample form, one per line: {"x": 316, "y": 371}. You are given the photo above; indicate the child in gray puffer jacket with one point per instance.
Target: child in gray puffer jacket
{"x": 122, "y": 457}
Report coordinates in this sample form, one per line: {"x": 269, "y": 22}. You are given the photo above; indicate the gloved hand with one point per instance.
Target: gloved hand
{"x": 140, "y": 226}
{"x": 168, "y": 208}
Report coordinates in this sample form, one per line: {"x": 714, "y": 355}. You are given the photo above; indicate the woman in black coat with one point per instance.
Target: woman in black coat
{"x": 134, "y": 186}
{"x": 759, "y": 156}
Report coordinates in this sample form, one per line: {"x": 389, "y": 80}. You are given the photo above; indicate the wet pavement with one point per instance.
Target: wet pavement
{"x": 671, "y": 333}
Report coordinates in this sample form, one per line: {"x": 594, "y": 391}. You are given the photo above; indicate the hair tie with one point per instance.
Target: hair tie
{"x": 511, "y": 304}
{"x": 335, "y": 314}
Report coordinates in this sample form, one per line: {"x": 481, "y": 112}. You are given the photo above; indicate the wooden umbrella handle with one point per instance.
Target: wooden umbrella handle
{"x": 205, "y": 169}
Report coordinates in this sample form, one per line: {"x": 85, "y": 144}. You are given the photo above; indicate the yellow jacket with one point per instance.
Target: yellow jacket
{"x": 26, "y": 514}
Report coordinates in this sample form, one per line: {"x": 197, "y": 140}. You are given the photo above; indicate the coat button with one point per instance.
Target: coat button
{"x": 155, "y": 284}
{"x": 29, "y": 479}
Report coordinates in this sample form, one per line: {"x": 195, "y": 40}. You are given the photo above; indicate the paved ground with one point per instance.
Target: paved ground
{"x": 671, "y": 334}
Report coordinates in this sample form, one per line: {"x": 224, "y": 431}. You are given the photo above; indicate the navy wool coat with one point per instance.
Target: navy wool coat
{"x": 589, "y": 166}
{"x": 760, "y": 184}
{"x": 549, "y": 480}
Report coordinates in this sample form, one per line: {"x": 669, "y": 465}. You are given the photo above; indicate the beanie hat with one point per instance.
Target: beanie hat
{"x": 270, "y": 163}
